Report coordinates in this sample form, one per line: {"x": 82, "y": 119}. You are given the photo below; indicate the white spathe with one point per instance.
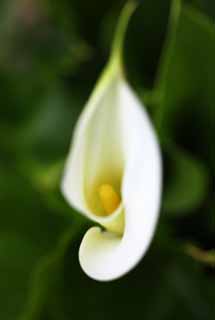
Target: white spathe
{"x": 114, "y": 142}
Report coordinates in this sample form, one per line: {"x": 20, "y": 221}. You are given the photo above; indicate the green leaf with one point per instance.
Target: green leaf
{"x": 144, "y": 42}
{"x": 186, "y": 183}
{"x": 206, "y": 6}
{"x": 28, "y": 231}
{"x": 184, "y": 89}
{"x": 47, "y": 275}
{"x": 45, "y": 137}
{"x": 160, "y": 286}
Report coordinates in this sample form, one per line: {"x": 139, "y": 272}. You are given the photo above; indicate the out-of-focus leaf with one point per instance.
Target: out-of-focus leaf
{"x": 46, "y": 136}
{"x": 204, "y": 256}
{"x": 144, "y": 43}
{"x": 186, "y": 183}
{"x": 45, "y": 179}
{"x": 28, "y": 231}
{"x": 185, "y": 112}
{"x": 183, "y": 109}
{"x": 47, "y": 275}
{"x": 154, "y": 290}
{"x": 18, "y": 98}
{"x": 206, "y": 6}
{"x": 39, "y": 38}
{"x": 40, "y": 45}
{"x": 90, "y": 16}
{"x": 17, "y": 258}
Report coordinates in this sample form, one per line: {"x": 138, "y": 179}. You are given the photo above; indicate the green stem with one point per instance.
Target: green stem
{"x": 121, "y": 28}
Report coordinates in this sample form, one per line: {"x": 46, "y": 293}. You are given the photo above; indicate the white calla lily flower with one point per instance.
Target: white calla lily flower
{"x": 113, "y": 177}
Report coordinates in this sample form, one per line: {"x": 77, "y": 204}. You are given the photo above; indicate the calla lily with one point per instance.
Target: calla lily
{"x": 113, "y": 176}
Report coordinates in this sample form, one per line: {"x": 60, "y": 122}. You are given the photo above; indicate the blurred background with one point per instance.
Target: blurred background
{"x": 51, "y": 54}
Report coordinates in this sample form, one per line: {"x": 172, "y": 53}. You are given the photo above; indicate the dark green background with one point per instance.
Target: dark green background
{"x": 51, "y": 54}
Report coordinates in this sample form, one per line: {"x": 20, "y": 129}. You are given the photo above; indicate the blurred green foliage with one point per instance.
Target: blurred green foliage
{"x": 51, "y": 55}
